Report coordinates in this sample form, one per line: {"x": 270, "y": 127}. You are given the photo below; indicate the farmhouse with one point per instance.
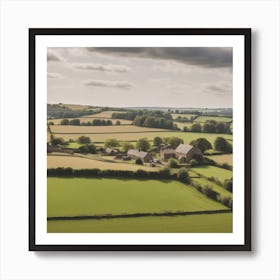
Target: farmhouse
{"x": 185, "y": 153}
{"x": 144, "y": 156}
{"x": 166, "y": 153}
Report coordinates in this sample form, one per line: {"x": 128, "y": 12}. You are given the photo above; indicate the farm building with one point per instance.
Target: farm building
{"x": 111, "y": 152}
{"x": 144, "y": 156}
{"x": 185, "y": 153}
{"x": 166, "y": 153}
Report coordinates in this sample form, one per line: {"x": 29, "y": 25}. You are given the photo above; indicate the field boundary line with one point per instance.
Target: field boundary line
{"x": 136, "y": 215}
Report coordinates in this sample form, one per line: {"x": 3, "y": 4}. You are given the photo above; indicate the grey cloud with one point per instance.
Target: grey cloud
{"x": 52, "y": 56}
{"x": 220, "y": 89}
{"x": 203, "y": 56}
{"x": 101, "y": 67}
{"x": 54, "y": 75}
{"x": 111, "y": 84}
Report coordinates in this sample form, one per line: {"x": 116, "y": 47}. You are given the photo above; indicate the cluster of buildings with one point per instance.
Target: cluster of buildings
{"x": 183, "y": 153}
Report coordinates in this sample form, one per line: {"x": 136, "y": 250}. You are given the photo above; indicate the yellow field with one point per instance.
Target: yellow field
{"x": 186, "y": 136}
{"x": 76, "y": 106}
{"x": 76, "y": 162}
{"x": 105, "y": 114}
{"x": 90, "y": 119}
{"x": 222, "y": 158}
{"x": 101, "y": 129}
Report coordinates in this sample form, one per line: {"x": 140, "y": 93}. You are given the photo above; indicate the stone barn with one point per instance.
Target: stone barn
{"x": 166, "y": 153}
{"x": 185, "y": 153}
{"x": 144, "y": 156}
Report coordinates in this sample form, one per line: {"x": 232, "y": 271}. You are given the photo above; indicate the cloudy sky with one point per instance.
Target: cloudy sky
{"x": 164, "y": 77}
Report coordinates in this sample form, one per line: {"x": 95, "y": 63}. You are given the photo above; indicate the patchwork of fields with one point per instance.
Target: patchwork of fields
{"x": 75, "y": 197}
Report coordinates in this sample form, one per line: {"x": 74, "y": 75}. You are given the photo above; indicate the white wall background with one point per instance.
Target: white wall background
{"x": 16, "y": 262}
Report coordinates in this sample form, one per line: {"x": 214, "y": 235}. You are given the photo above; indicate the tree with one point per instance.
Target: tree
{"x": 209, "y": 126}
{"x": 111, "y": 143}
{"x": 91, "y": 148}
{"x": 185, "y": 129}
{"x": 157, "y": 141}
{"x": 183, "y": 175}
{"x": 118, "y": 122}
{"x": 143, "y": 144}
{"x": 74, "y": 122}
{"x": 228, "y": 184}
{"x": 202, "y": 144}
{"x": 172, "y": 163}
{"x": 57, "y": 141}
{"x": 222, "y": 145}
{"x": 196, "y": 127}
{"x": 127, "y": 146}
{"x": 174, "y": 142}
{"x": 221, "y": 127}
{"x": 84, "y": 140}
{"x": 64, "y": 122}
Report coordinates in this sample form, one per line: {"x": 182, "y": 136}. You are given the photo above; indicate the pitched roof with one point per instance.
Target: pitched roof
{"x": 183, "y": 148}
{"x": 136, "y": 153}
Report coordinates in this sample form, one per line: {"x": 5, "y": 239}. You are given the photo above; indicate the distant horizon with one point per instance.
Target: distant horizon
{"x": 142, "y": 106}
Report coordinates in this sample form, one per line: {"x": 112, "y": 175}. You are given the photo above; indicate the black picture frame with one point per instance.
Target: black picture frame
{"x": 246, "y": 32}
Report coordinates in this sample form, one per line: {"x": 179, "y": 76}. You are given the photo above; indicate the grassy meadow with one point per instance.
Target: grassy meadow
{"x": 205, "y": 223}
{"x": 81, "y": 196}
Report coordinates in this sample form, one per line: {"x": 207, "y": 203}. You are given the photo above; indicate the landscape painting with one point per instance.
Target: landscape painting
{"x": 140, "y": 140}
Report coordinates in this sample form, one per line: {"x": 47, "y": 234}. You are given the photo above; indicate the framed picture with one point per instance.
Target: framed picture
{"x": 140, "y": 139}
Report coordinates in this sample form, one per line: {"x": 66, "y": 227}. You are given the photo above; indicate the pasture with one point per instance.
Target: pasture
{"x": 68, "y": 197}
{"x": 227, "y": 158}
{"x": 205, "y": 223}
{"x": 213, "y": 171}
{"x": 202, "y": 119}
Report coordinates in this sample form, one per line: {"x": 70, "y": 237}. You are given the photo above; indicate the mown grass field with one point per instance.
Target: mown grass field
{"x": 79, "y": 162}
{"x": 72, "y": 129}
{"x": 213, "y": 171}
{"x": 206, "y": 223}
{"x": 222, "y": 158}
{"x": 80, "y": 196}
{"x": 203, "y": 119}
{"x": 132, "y": 136}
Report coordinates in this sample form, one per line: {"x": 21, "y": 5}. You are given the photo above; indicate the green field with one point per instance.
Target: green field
{"x": 206, "y": 223}
{"x": 81, "y": 196}
{"x": 213, "y": 171}
{"x": 202, "y": 119}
